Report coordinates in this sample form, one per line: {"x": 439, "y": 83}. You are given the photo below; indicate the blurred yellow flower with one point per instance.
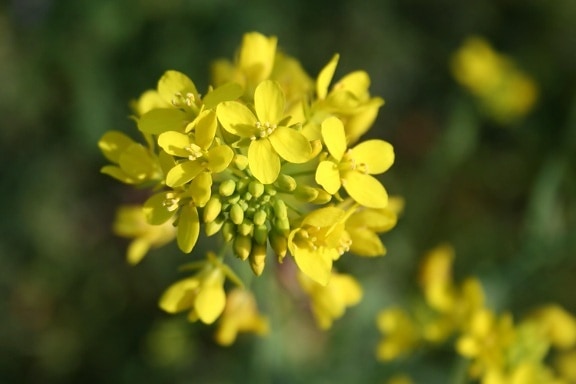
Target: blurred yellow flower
{"x": 330, "y": 301}
{"x": 240, "y": 315}
{"x": 504, "y": 91}
{"x": 401, "y": 334}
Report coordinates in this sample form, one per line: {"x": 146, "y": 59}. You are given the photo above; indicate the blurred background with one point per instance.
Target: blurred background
{"x": 503, "y": 193}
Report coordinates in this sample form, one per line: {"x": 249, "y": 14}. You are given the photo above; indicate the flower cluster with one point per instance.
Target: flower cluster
{"x": 504, "y": 92}
{"x": 498, "y": 350}
{"x": 267, "y": 161}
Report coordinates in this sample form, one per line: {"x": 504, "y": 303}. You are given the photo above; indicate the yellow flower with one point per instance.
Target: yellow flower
{"x": 353, "y": 168}
{"x": 200, "y": 152}
{"x": 240, "y": 315}
{"x": 348, "y": 99}
{"x": 202, "y": 294}
{"x": 486, "y": 341}
{"x": 330, "y": 301}
{"x": 505, "y": 92}
{"x": 270, "y": 139}
{"x": 400, "y": 332}
{"x": 320, "y": 239}
{"x": 131, "y": 222}
{"x": 558, "y": 325}
{"x": 365, "y": 224}
{"x": 135, "y": 164}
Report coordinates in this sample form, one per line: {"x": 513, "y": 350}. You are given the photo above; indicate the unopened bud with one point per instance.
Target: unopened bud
{"x": 280, "y": 209}
{"x": 282, "y": 225}
{"x": 323, "y": 197}
{"x": 286, "y": 183}
{"x": 260, "y": 234}
{"x": 256, "y": 188}
{"x": 227, "y": 188}
{"x": 214, "y": 226}
{"x": 306, "y": 193}
{"x": 228, "y": 231}
{"x": 258, "y": 258}
{"x": 241, "y": 162}
{"x": 260, "y": 217}
{"x": 246, "y": 228}
{"x": 279, "y": 244}
{"x": 242, "y": 246}
{"x": 236, "y": 214}
{"x": 212, "y": 209}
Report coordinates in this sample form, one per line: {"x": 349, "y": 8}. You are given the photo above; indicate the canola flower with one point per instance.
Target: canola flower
{"x": 498, "y": 349}
{"x": 505, "y": 92}
{"x": 269, "y": 166}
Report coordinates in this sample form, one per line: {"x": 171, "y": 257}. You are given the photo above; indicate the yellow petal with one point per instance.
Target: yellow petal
{"x": 365, "y": 189}
{"x": 325, "y": 77}
{"x": 161, "y": 120}
{"x": 256, "y": 57}
{"x": 210, "y": 303}
{"x": 317, "y": 264}
{"x": 188, "y": 228}
{"x": 291, "y": 145}
{"x": 366, "y": 243}
{"x": 324, "y": 217}
{"x": 179, "y": 296}
{"x": 378, "y": 220}
{"x": 113, "y": 143}
{"x": 137, "y": 250}
{"x": 356, "y": 82}
{"x": 118, "y": 174}
{"x": 155, "y": 210}
{"x": 226, "y": 92}
{"x": 269, "y": 102}
{"x": 263, "y": 161}
{"x": 174, "y": 83}
{"x": 232, "y": 113}
{"x": 205, "y": 128}
{"x": 334, "y": 137}
{"x": 137, "y": 162}
{"x": 183, "y": 173}
{"x": 328, "y": 176}
{"x": 377, "y": 155}
{"x": 201, "y": 189}
{"x": 174, "y": 143}
{"x": 219, "y": 158}
{"x": 362, "y": 120}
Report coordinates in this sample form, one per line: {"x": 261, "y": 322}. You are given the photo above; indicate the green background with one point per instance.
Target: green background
{"x": 73, "y": 311}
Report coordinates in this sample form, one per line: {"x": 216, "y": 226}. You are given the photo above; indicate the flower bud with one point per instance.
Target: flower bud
{"x": 279, "y": 244}
{"x": 246, "y": 228}
{"x": 282, "y": 225}
{"x": 323, "y": 197}
{"x": 260, "y": 234}
{"x": 306, "y": 193}
{"x": 214, "y": 226}
{"x": 286, "y": 183}
{"x": 240, "y": 162}
{"x": 256, "y": 188}
{"x": 228, "y": 231}
{"x": 258, "y": 258}
{"x": 242, "y": 246}
{"x": 260, "y": 217}
{"x": 227, "y": 188}
{"x": 236, "y": 214}
{"x": 212, "y": 209}
{"x": 280, "y": 209}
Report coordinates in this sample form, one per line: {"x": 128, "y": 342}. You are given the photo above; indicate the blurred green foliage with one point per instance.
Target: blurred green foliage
{"x": 504, "y": 196}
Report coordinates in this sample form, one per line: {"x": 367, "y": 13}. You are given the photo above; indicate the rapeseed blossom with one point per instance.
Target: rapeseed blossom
{"x": 268, "y": 164}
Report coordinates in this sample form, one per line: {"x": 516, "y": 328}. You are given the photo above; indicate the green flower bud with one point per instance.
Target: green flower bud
{"x": 270, "y": 190}
{"x": 242, "y": 246}
{"x": 240, "y": 162}
{"x": 212, "y": 209}
{"x": 242, "y": 185}
{"x": 256, "y": 188}
{"x": 250, "y": 211}
{"x": 260, "y": 217}
{"x": 237, "y": 214}
{"x": 234, "y": 199}
{"x": 258, "y": 258}
{"x": 260, "y": 234}
{"x": 306, "y": 193}
{"x": 212, "y": 227}
{"x": 227, "y": 188}
{"x": 323, "y": 197}
{"x": 228, "y": 231}
{"x": 247, "y": 196}
{"x": 246, "y": 228}
{"x": 282, "y": 225}
{"x": 279, "y": 244}
{"x": 280, "y": 209}
{"x": 286, "y": 183}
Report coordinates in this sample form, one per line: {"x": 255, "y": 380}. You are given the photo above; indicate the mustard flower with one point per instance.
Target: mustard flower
{"x": 240, "y": 315}
{"x": 353, "y": 168}
{"x": 201, "y": 294}
{"x": 270, "y": 139}
{"x": 330, "y": 301}
{"x": 319, "y": 240}
{"x": 131, "y": 222}
{"x": 401, "y": 334}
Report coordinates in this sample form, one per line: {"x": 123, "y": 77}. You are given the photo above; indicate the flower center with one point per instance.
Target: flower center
{"x": 171, "y": 202}
{"x": 348, "y": 163}
{"x": 195, "y": 151}
{"x": 265, "y": 129}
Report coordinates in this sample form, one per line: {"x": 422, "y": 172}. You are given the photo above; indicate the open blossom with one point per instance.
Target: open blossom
{"x": 270, "y": 139}
{"x": 353, "y": 168}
